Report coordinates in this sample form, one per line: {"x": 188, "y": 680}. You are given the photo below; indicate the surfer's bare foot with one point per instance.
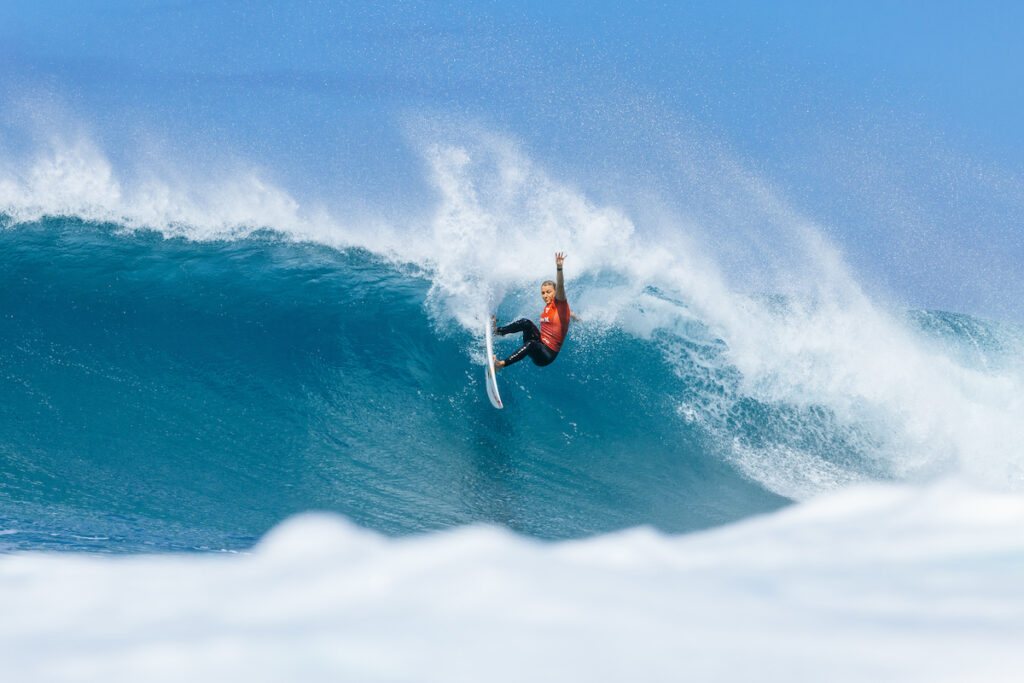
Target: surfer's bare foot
{"x": 498, "y": 364}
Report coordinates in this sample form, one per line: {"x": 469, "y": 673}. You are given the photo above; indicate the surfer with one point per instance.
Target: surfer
{"x": 542, "y": 345}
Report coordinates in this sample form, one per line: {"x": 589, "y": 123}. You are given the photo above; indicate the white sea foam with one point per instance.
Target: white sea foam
{"x": 878, "y": 583}
{"x": 73, "y": 177}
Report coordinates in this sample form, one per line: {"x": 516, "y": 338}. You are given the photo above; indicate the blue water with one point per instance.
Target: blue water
{"x": 170, "y": 394}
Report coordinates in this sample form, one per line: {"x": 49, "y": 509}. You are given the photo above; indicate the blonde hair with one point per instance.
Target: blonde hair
{"x": 549, "y": 282}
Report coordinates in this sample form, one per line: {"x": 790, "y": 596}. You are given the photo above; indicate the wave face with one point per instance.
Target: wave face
{"x": 169, "y": 393}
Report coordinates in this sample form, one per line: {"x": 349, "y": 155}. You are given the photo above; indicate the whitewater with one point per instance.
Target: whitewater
{"x": 720, "y": 478}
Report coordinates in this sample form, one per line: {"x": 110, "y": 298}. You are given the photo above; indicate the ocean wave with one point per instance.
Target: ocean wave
{"x": 222, "y": 385}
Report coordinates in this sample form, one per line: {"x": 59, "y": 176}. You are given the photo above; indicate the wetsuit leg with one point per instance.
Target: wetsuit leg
{"x": 532, "y": 346}
{"x": 540, "y": 353}
{"x": 524, "y": 325}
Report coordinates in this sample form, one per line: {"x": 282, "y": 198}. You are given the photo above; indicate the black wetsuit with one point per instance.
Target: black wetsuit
{"x": 539, "y": 352}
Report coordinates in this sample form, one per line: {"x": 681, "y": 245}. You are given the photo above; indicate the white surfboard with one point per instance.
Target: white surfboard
{"x": 490, "y": 379}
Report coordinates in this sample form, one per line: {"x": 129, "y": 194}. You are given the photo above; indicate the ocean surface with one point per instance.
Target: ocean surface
{"x": 247, "y": 254}
{"x": 639, "y": 505}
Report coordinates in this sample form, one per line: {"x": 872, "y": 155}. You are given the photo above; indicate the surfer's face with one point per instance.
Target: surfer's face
{"x": 547, "y": 292}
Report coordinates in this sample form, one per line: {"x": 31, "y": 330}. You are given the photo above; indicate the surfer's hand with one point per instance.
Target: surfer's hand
{"x": 559, "y": 257}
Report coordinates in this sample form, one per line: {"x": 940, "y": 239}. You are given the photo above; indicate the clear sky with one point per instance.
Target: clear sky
{"x": 893, "y": 125}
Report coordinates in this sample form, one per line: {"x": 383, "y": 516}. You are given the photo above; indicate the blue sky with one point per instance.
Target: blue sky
{"x": 893, "y": 125}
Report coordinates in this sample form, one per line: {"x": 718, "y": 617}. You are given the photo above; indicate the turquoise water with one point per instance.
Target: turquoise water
{"x": 169, "y": 394}
{"x": 162, "y": 393}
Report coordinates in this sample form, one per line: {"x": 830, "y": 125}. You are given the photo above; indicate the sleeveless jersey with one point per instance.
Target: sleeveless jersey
{"x": 554, "y": 324}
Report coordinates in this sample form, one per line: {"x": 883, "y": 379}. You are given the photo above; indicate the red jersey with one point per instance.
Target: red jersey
{"x": 554, "y": 324}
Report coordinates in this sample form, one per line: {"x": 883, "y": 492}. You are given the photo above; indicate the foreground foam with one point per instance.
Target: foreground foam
{"x": 881, "y": 583}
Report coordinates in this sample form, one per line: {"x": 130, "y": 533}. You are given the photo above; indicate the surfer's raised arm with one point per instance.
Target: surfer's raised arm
{"x": 559, "y": 280}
